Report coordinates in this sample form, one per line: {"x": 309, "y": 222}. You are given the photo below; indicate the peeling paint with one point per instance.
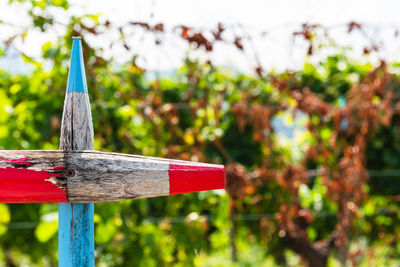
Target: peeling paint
{"x": 21, "y": 162}
{"x": 21, "y": 185}
{"x": 58, "y": 168}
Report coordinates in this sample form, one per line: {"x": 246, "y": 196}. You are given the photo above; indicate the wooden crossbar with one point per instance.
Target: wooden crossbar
{"x": 93, "y": 176}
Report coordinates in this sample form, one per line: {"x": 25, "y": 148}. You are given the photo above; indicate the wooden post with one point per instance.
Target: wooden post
{"x": 75, "y": 220}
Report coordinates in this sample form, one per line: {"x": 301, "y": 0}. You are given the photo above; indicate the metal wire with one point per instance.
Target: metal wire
{"x": 238, "y": 217}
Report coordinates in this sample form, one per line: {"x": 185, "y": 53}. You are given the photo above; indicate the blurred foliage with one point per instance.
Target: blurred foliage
{"x": 290, "y": 201}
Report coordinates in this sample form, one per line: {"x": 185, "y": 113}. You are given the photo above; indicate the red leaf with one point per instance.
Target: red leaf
{"x": 218, "y": 33}
{"x": 141, "y": 24}
{"x": 354, "y": 25}
{"x": 238, "y": 43}
{"x": 159, "y": 27}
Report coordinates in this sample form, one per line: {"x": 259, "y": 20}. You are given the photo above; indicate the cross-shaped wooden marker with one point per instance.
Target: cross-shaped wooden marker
{"x": 76, "y": 176}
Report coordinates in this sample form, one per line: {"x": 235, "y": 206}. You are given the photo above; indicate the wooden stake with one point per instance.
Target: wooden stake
{"x": 93, "y": 176}
{"x": 75, "y": 221}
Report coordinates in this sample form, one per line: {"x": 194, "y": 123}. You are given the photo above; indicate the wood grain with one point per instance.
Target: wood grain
{"x": 76, "y": 126}
{"x": 93, "y": 176}
{"x": 103, "y": 177}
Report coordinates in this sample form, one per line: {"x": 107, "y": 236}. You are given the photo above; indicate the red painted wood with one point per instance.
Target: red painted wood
{"x": 187, "y": 178}
{"x": 20, "y": 161}
{"x": 19, "y": 185}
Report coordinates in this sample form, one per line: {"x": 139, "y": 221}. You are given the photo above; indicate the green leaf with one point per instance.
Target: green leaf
{"x": 46, "y": 230}
{"x": 5, "y": 215}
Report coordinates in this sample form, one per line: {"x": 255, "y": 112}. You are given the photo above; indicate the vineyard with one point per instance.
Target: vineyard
{"x": 312, "y": 155}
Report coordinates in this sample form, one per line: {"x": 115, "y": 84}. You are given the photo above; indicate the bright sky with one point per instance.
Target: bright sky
{"x": 251, "y": 13}
{"x": 278, "y": 17}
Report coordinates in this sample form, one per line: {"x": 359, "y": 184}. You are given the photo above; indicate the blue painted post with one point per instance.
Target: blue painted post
{"x": 76, "y": 234}
{"x": 75, "y": 221}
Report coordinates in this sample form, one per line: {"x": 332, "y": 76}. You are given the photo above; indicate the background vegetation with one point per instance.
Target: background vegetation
{"x": 326, "y": 193}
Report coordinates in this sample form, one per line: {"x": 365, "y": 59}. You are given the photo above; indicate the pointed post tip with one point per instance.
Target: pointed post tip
{"x": 195, "y": 178}
{"x": 76, "y": 125}
{"x": 76, "y": 76}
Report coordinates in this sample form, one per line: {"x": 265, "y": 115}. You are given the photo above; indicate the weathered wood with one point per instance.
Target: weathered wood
{"x": 77, "y": 127}
{"x": 76, "y": 239}
{"x": 92, "y": 176}
{"x": 75, "y": 221}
